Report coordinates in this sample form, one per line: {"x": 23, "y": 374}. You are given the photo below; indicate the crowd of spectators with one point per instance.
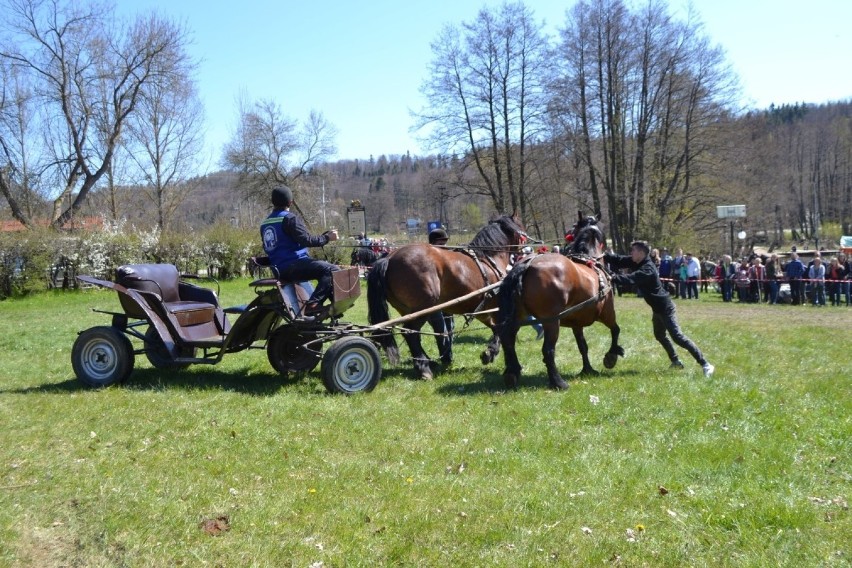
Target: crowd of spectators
{"x": 755, "y": 278}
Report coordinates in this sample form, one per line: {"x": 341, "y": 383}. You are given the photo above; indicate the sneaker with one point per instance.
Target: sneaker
{"x": 676, "y": 364}
{"x": 708, "y": 369}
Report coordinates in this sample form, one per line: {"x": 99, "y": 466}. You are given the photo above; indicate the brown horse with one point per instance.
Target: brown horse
{"x": 418, "y": 276}
{"x": 567, "y": 291}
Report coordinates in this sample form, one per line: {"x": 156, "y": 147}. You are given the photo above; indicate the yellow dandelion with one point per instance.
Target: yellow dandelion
{"x": 640, "y": 527}
{"x": 409, "y": 480}
{"x": 312, "y": 490}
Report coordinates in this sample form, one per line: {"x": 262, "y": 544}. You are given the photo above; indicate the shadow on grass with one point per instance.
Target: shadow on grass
{"x": 255, "y": 384}
{"x": 492, "y": 382}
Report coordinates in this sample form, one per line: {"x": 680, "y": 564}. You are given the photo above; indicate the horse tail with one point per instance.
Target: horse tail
{"x": 377, "y": 308}
{"x": 510, "y": 293}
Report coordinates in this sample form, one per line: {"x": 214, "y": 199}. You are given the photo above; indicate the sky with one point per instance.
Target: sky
{"x": 361, "y": 64}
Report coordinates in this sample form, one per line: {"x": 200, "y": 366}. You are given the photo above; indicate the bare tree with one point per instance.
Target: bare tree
{"x": 648, "y": 91}
{"x": 268, "y": 148}
{"x": 485, "y": 100}
{"x": 70, "y": 51}
{"x": 18, "y": 180}
{"x": 165, "y": 137}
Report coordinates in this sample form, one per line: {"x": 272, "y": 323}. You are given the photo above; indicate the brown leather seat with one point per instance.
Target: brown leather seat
{"x": 164, "y": 281}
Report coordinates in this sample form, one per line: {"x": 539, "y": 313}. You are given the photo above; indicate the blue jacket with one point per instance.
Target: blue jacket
{"x": 281, "y": 247}
{"x": 795, "y": 269}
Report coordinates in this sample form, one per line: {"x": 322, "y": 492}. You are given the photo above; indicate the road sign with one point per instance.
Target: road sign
{"x": 730, "y": 211}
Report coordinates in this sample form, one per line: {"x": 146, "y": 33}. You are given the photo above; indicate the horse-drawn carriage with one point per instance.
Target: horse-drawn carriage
{"x": 179, "y": 324}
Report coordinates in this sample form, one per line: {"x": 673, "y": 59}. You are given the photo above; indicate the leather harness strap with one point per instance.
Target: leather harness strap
{"x": 604, "y": 288}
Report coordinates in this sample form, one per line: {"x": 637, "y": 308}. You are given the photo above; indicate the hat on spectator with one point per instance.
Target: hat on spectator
{"x": 438, "y": 236}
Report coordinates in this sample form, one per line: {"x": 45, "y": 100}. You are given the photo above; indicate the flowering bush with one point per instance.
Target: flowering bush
{"x": 38, "y": 259}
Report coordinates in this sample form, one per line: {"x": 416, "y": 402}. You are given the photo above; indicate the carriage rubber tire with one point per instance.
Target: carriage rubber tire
{"x": 285, "y": 353}
{"x": 351, "y": 364}
{"x": 155, "y": 352}
{"x": 102, "y": 356}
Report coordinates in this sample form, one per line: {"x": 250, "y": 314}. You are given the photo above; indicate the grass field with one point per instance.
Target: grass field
{"x": 640, "y": 466}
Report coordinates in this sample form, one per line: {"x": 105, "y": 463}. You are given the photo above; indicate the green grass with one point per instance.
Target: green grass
{"x": 755, "y": 462}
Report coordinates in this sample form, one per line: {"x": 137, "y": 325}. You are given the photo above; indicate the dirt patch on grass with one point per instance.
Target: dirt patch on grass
{"x": 48, "y": 547}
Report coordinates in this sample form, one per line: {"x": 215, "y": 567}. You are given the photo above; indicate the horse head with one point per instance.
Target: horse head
{"x": 584, "y": 221}
{"x": 588, "y": 241}
{"x": 500, "y": 235}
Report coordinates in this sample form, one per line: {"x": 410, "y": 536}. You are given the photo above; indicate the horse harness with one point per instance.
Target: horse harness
{"x": 490, "y": 293}
{"x": 604, "y": 287}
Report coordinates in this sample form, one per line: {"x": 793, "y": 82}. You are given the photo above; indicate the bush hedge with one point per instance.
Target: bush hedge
{"x": 41, "y": 259}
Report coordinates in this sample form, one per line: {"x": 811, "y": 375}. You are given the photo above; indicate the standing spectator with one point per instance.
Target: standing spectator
{"x": 726, "y": 272}
{"x": 693, "y": 273}
{"x": 773, "y": 271}
{"x": 808, "y": 284}
{"x": 665, "y": 263}
{"x": 816, "y": 274}
{"x": 655, "y": 258}
{"x": 847, "y": 268}
{"x": 756, "y": 276}
{"x": 665, "y": 269}
{"x": 677, "y": 262}
{"x": 682, "y": 272}
{"x": 708, "y": 270}
{"x": 834, "y": 275}
{"x": 795, "y": 271}
{"x": 742, "y": 283}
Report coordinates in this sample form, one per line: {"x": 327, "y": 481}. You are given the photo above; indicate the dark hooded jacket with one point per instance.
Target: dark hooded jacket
{"x": 644, "y": 277}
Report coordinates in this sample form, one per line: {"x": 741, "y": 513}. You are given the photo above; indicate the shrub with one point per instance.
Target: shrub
{"x": 227, "y": 249}
{"x": 25, "y": 260}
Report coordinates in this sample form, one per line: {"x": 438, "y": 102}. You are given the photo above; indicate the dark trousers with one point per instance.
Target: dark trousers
{"x": 310, "y": 269}
{"x": 727, "y": 290}
{"x": 692, "y": 287}
{"x": 666, "y": 321}
{"x": 796, "y": 291}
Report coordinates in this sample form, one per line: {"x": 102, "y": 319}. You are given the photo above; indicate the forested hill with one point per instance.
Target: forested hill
{"x": 790, "y": 165}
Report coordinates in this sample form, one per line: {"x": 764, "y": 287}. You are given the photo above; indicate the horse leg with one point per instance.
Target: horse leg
{"x": 411, "y": 334}
{"x": 584, "y": 351}
{"x": 548, "y": 351}
{"x": 442, "y": 325}
{"x": 615, "y": 350}
{"x": 492, "y": 349}
{"x": 510, "y": 356}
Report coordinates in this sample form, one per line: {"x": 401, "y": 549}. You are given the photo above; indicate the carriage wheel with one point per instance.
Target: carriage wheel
{"x": 158, "y": 355}
{"x": 286, "y": 352}
{"x": 102, "y": 356}
{"x": 352, "y": 364}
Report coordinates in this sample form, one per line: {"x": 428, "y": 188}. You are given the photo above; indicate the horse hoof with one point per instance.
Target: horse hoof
{"x": 610, "y": 359}
{"x": 559, "y": 384}
{"x": 589, "y": 372}
{"x": 426, "y": 375}
{"x": 511, "y": 380}
{"x": 486, "y": 357}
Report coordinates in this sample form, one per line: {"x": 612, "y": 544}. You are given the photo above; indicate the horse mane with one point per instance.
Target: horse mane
{"x": 496, "y": 236}
{"x": 585, "y": 240}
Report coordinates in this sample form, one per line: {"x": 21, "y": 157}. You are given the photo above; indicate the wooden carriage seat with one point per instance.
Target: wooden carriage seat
{"x": 163, "y": 281}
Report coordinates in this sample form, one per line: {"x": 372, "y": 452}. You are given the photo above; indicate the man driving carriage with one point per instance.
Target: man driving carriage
{"x": 286, "y": 240}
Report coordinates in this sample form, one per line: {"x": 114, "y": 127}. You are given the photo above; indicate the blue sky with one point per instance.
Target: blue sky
{"x": 362, "y": 63}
